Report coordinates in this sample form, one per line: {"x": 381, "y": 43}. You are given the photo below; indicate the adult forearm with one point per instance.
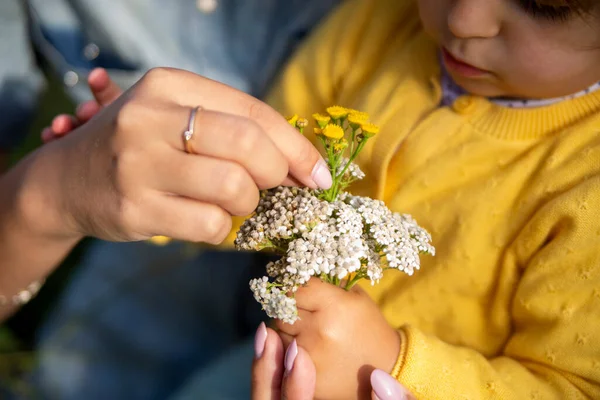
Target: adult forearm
{"x": 32, "y": 243}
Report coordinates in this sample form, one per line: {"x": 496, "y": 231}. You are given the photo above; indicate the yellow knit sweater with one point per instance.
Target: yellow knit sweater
{"x": 510, "y": 306}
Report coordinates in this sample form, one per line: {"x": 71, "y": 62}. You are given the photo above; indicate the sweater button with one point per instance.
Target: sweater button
{"x": 464, "y": 104}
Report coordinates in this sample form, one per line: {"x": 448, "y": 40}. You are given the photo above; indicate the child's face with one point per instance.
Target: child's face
{"x": 547, "y": 52}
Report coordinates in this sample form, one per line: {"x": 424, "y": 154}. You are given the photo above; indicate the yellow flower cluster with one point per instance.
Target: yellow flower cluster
{"x": 297, "y": 122}
{"x": 322, "y": 120}
{"x": 337, "y": 112}
{"x": 369, "y": 130}
{"x": 356, "y": 120}
{"x": 333, "y": 131}
{"x": 160, "y": 240}
{"x": 292, "y": 120}
{"x": 341, "y": 145}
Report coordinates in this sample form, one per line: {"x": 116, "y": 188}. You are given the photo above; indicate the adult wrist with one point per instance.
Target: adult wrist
{"x": 37, "y": 200}
{"x": 32, "y": 243}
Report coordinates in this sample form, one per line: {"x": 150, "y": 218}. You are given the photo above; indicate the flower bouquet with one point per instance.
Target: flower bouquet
{"x": 329, "y": 234}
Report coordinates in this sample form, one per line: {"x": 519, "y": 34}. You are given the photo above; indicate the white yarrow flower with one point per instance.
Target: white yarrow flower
{"x": 351, "y": 238}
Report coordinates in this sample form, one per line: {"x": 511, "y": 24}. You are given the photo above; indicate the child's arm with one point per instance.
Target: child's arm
{"x": 346, "y": 336}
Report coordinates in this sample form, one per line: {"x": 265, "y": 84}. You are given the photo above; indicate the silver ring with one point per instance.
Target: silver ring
{"x": 188, "y": 135}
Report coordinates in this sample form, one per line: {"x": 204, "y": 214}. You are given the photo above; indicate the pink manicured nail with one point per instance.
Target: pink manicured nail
{"x": 290, "y": 356}
{"x": 386, "y": 387}
{"x": 260, "y": 339}
{"x": 321, "y": 175}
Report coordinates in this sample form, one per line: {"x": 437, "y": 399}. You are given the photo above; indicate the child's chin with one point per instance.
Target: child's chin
{"x": 481, "y": 86}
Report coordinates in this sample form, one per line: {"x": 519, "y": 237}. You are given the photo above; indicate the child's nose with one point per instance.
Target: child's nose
{"x": 474, "y": 18}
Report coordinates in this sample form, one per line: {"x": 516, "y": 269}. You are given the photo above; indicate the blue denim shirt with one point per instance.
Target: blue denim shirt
{"x": 239, "y": 42}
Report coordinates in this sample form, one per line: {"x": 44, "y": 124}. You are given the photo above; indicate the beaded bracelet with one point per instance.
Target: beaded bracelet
{"x": 23, "y": 296}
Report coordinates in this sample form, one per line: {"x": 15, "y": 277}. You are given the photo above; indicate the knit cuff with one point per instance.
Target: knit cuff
{"x": 401, "y": 354}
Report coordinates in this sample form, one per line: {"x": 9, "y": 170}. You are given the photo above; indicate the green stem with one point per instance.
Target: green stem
{"x": 353, "y": 139}
{"x": 352, "y": 157}
{"x": 338, "y": 177}
{"x": 334, "y": 161}
{"x": 353, "y": 281}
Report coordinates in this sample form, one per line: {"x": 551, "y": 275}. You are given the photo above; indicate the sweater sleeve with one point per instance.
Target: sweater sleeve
{"x": 553, "y": 351}
{"x": 340, "y": 53}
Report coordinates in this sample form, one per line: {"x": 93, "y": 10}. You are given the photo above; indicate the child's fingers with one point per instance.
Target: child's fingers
{"x": 304, "y": 322}
{"x": 267, "y": 368}
{"x": 85, "y": 111}
{"x": 317, "y": 295}
{"x": 104, "y": 89}
{"x": 47, "y": 135}
{"x": 63, "y": 124}
{"x": 286, "y": 339}
{"x": 299, "y": 382}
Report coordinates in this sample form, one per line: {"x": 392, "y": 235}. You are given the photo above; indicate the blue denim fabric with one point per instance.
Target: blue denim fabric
{"x": 228, "y": 377}
{"x": 241, "y": 43}
{"x": 20, "y": 81}
{"x": 139, "y": 321}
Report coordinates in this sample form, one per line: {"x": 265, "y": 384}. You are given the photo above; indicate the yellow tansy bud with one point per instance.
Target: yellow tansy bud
{"x": 160, "y": 240}
{"x": 337, "y": 112}
{"x": 333, "y": 131}
{"x": 322, "y": 120}
{"x": 292, "y": 120}
{"x": 341, "y": 145}
{"x": 302, "y": 123}
{"x": 369, "y": 130}
{"x": 357, "y": 118}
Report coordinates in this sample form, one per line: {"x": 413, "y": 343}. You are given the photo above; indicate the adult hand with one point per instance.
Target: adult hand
{"x": 292, "y": 375}
{"x": 124, "y": 175}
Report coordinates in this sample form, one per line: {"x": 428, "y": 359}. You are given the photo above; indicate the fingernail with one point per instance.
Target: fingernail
{"x": 290, "y": 357}
{"x": 321, "y": 175}
{"x": 260, "y": 339}
{"x": 386, "y": 387}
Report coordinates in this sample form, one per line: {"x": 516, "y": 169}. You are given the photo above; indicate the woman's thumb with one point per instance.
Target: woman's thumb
{"x": 385, "y": 387}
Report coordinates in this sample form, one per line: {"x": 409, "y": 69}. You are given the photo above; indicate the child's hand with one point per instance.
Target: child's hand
{"x": 346, "y": 336}
{"x": 105, "y": 91}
